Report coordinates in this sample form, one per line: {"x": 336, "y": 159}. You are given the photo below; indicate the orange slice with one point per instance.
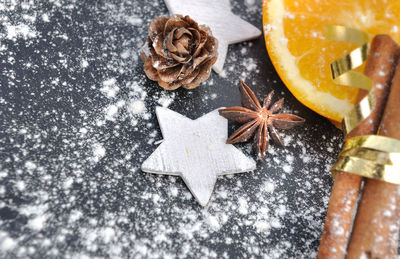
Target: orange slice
{"x": 294, "y": 34}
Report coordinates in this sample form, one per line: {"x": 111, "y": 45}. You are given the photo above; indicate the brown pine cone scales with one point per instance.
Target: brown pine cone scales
{"x": 178, "y": 52}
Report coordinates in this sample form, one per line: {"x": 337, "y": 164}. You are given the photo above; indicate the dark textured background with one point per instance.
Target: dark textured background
{"x": 70, "y": 183}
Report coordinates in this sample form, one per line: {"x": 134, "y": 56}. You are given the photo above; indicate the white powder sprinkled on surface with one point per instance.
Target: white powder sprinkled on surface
{"x": 213, "y": 221}
{"x": 98, "y": 152}
{"x": 382, "y": 73}
{"x": 137, "y": 107}
{"x": 165, "y": 101}
{"x": 134, "y": 20}
{"x": 30, "y": 165}
{"x": 20, "y": 30}
{"x": 37, "y": 223}
{"x": 20, "y": 185}
{"x": 84, "y": 63}
{"x": 287, "y": 168}
{"x": 70, "y": 176}
{"x": 269, "y": 187}
{"x": 110, "y": 91}
{"x": 107, "y": 234}
{"x": 243, "y": 207}
{"x": 111, "y": 112}
{"x": 45, "y": 17}
{"x": 6, "y": 242}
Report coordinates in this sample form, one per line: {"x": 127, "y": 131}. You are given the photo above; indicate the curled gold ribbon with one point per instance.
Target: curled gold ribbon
{"x": 371, "y": 156}
{"x": 343, "y": 74}
{"x": 358, "y": 113}
{"x": 374, "y": 142}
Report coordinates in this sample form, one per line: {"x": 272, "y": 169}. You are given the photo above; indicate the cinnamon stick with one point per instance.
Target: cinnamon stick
{"x": 377, "y": 225}
{"x": 346, "y": 188}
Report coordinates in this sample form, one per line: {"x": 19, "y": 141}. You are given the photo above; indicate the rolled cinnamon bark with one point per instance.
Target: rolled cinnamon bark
{"x": 376, "y": 226}
{"x": 346, "y": 189}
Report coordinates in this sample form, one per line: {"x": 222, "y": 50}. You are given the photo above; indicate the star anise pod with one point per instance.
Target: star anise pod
{"x": 261, "y": 122}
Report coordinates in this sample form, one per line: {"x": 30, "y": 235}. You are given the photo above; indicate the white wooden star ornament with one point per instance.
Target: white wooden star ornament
{"x": 226, "y": 27}
{"x": 196, "y": 151}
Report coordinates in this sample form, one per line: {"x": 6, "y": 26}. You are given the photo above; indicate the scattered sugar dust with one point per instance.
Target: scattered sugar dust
{"x": 70, "y": 171}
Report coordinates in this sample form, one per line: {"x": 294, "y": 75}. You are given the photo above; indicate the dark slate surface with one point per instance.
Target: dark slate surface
{"x": 77, "y": 119}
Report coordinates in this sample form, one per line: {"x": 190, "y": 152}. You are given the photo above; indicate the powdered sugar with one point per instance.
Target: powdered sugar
{"x": 137, "y": 107}
{"x": 37, "y": 223}
{"x": 79, "y": 115}
{"x": 109, "y": 89}
{"x": 6, "y": 242}
{"x": 20, "y": 30}
{"x": 98, "y": 152}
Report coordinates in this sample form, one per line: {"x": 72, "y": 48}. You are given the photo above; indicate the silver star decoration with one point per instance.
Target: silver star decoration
{"x": 226, "y": 27}
{"x": 196, "y": 151}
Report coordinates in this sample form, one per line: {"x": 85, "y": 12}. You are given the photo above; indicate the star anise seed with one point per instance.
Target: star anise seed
{"x": 259, "y": 121}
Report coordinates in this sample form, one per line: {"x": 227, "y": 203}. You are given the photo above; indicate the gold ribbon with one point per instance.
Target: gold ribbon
{"x": 343, "y": 74}
{"x": 371, "y": 156}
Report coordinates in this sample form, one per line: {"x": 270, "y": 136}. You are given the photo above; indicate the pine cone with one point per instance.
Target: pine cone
{"x": 178, "y": 52}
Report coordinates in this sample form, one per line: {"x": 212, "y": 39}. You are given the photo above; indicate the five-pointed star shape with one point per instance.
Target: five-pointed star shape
{"x": 226, "y": 27}
{"x": 196, "y": 151}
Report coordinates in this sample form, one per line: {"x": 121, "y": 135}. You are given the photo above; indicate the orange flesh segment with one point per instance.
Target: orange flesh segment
{"x": 294, "y": 33}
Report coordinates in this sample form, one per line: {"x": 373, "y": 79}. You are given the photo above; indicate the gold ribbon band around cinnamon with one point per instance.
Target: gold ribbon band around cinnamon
{"x": 369, "y": 156}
